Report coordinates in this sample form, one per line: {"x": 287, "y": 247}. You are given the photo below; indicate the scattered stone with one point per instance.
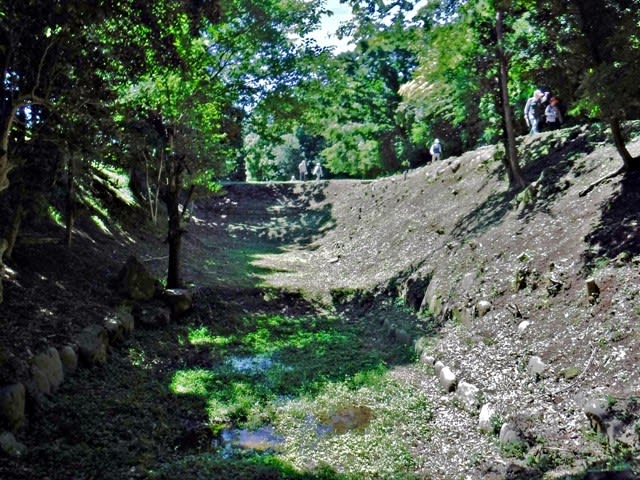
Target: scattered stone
{"x": 10, "y": 446}
{"x": 486, "y": 418}
{"x": 571, "y": 373}
{"x": 593, "y": 291}
{"x": 482, "y": 308}
{"x": 523, "y": 325}
{"x": 536, "y": 367}
{"x": 509, "y": 434}
{"x": 554, "y": 285}
{"x": 427, "y": 359}
{"x": 69, "y": 359}
{"x": 468, "y": 395}
{"x": 597, "y": 411}
{"x": 447, "y": 379}
{"x": 12, "y": 406}
{"x": 93, "y": 344}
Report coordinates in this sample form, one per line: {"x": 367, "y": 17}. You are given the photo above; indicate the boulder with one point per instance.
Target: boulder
{"x": 593, "y": 291}
{"x": 48, "y": 365}
{"x": 536, "y": 367}
{"x": 468, "y": 395}
{"x": 447, "y": 379}
{"x": 509, "y": 434}
{"x": 93, "y": 345}
{"x": 482, "y": 308}
{"x": 114, "y": 330}
{"x": 12, "y": 406}
{"x": 486, "y": 418}
{"x": 179, "y": 300}
{"x": 69, "y": 358}
{"x": 135, "y": 281}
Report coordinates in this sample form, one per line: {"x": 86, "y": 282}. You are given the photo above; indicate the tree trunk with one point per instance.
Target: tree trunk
{"x": 630, "y": 163}
{"x": 5, "y": 129}
{"x": 174, "y": 234}
{"x": 71, "y": 200}
{"x": 515, "y": 174}
{"x": 174, "y": 238}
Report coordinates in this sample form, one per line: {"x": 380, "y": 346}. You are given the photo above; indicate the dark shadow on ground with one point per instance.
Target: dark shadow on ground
{"x": 617, "y": 235}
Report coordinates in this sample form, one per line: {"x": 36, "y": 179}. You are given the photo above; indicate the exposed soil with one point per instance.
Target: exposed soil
{"x": 454, "y": 227}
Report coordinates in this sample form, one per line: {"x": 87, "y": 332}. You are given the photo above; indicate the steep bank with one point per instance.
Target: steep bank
{"x": 501, "y": 279}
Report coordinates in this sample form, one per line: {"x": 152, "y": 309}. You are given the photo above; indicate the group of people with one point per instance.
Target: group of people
{"x": 303, "y": 169}
{"x": 542, "y": 111}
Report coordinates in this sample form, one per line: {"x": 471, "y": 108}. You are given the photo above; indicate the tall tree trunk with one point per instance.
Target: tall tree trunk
{"x": 71, "y": 199}
{"x": 174, "y": 234}
{"x": 630, "y": 163}
{"x": 5, "y": 130}
{"x": 515, "y": 173}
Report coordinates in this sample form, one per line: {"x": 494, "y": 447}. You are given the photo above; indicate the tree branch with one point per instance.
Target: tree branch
{"x": 601, "y": 180}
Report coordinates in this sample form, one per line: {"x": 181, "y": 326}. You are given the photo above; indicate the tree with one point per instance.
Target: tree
{"x": 598, "y": 43}
{"x": 243, "y": 56}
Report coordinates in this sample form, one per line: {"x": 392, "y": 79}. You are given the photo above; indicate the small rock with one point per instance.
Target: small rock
{"x": 486, "y": 418}
{"x": 428, "y": 359}
{"x": 482, "y": 308}
{"x": 597, "y": 411}
{"x": 93, "y": 344}
{"x": 179, "y": 300}
{"x": 522, "y": 326}
{"x": 593, "y": 291}
{"x": 536, "y": 367}
{"x": 438, "y": 366}
{"x": 447, "y": 379}
{"x": 69, "y": 359}
{"x": 468, "y": 395}
{"x": 509, "y": 434}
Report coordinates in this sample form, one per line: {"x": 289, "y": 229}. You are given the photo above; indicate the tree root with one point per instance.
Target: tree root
{"x": 601, "y": 180}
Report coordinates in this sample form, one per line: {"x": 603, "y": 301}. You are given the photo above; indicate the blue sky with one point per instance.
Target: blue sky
{"x": 326, "y": 36}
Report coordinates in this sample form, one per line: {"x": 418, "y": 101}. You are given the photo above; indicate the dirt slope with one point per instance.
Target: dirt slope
{"x": 456, "y": 231}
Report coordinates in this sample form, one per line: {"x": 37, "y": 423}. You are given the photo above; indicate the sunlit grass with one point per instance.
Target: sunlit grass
{"x": 382, "y": 449}
{"x": 203, "y": 336}
{"x": 193, "y": 382}
{"x": 293, "y": 373}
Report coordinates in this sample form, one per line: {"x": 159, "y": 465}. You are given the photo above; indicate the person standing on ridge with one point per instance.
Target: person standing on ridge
{"x": 302, "y": 167}
{"x": 435, "y": 150}
{"x": 533, "y": 111}
{"x": 553, "y": 115}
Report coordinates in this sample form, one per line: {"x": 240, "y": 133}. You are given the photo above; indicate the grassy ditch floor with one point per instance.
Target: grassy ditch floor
{"x": 282, "y": 390}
